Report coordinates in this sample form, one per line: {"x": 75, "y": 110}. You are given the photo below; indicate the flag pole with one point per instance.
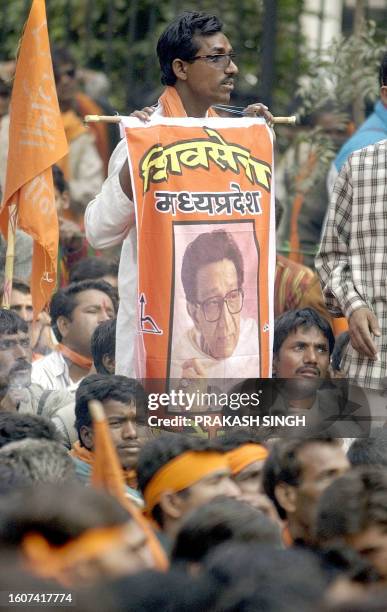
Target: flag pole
{"x": 117, "y": 119}
{"x": 10, "y": 256}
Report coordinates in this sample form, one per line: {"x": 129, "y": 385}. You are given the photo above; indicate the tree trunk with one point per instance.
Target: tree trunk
{"x": 268, "y": 51}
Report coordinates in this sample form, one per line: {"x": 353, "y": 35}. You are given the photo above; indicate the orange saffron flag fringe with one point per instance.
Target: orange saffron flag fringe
{"x": 36, "y": 141}
{"x": 107, "y": 474}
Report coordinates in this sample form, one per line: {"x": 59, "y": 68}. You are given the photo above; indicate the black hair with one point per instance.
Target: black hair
{"x": 341, "y": 343}
{"x": 60, "y": 512}
{"x": 150, "y": 590}
{"x": 369, "y": 451}
{"x": 341, "y": 560}
{"x": 254, "y": 577}
{"x": 208, "y": 248}
{"x": 352, "y": 503}
{"x": 31, "y": 461}
{"x": 238, "y": 437}
{"x": 158, "y": 452}
{"x": 5, "y": 87}
{"x": 383, "y": 70}
{"x": 291, "y": 320}
{"x": 178, "y": 40}
{"x": 103, "y": 387}
{"x": 283, "y": 465}
{"x": 103, "y": 342}
{"x": 92, "y": 268}
{"x": 21, "y": 285}
{"x": 222, "y": 520}
{"x": 61, "y": 56}
{"x": 64, "y": 301}
{"x": 15, "y": 426}
{"x": 60, "y": 182}
{"x": 11, "y": 323}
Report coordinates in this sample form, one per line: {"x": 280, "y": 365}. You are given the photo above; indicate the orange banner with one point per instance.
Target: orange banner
{"x": 206, "y": 256}
{"x": 36, "y": 141}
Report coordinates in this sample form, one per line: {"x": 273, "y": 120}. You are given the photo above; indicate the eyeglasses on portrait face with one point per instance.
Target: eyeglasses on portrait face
{"x": 219, "y": 60}
{"x": 212, "y": 307}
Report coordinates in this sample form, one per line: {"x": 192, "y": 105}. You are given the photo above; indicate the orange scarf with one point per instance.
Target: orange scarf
{"x": 83, "y": 362}
{"x": 287, "y": 539}
{"x": 84, "y": 454}
{"x": 49, "y": 561}
{"x": 73, "y": 128}
{"x": 173, "y": 106}
{"x": 87, "y": 106}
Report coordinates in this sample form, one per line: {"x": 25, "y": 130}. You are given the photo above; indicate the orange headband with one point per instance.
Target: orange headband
{"x": 244, "y": 455}
{"x": 182, "y": 472}
{"x": 50, "y": 561}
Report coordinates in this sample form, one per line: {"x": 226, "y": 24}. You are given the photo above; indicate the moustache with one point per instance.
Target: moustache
{"x": 20, "y": 365}
{"x": 309, "y": 369}
{"x": 20, "y": 375}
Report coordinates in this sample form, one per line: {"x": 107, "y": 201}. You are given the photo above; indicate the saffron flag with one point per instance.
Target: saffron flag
{"x": 36, "y": 142}
{"x": 204, "y": 204}
{"x": 107, "y": 475}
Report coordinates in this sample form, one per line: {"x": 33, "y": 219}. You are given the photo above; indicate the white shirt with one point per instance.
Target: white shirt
{"x": 52, "y": 372}
{"x": 109, "y": 220}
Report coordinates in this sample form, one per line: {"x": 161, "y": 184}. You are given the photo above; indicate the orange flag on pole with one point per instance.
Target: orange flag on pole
{"x": 36, "y": 141}
{"x": 107, "y": 474}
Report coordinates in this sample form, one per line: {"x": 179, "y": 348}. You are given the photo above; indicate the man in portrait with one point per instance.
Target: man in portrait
{"x": 221, "y": 343}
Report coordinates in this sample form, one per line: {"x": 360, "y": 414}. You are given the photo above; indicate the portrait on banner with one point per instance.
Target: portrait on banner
{"x": 215, "y": 329}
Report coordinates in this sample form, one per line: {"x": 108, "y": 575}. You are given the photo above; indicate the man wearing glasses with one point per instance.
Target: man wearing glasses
{"x": 198, "y": 64}
{"x": 221, "y": 342}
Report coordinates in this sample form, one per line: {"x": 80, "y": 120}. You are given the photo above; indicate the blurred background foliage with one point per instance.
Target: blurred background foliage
{"x": 119, "y": 38}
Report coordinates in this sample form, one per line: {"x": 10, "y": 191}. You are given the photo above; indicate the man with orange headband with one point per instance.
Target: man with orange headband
{"x": 73, "y": 534}
{"x": 246, "y": 457}
{"x": 178, "y": 473}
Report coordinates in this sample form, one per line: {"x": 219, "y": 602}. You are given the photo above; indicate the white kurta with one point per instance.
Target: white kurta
{"x": 109, "y": 220}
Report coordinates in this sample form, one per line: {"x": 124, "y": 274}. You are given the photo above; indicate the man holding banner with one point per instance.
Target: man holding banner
{"x": 187, "y": 177}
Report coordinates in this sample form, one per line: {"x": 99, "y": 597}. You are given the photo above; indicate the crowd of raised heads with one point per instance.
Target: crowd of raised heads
{"x": 115, "y": 514}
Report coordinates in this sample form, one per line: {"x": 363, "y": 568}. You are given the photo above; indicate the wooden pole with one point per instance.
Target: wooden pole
{"x": 117, "y": 119}
{"x": 10, "y": 256}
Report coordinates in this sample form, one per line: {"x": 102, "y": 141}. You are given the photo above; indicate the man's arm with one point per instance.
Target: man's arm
{"x": 333, "y": 267}
{"x": 110, "y": 216}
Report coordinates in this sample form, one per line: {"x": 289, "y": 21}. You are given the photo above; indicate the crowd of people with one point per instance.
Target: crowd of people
{"x": 258, "y": 518}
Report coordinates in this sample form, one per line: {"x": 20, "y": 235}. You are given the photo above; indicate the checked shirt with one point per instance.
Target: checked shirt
{"x": 352, "y": 261}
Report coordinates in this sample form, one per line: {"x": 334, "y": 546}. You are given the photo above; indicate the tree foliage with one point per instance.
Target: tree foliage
{"x": 346, "y": 71}
{"x": 119, "y": 37}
